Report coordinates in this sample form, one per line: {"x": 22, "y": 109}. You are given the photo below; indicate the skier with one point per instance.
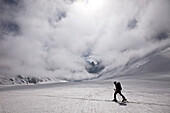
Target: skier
{"x": 118, "y": 90}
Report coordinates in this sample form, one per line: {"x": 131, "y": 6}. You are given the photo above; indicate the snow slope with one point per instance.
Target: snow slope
{"x": 155, "y": 63}
{"x": 144, "y": 95}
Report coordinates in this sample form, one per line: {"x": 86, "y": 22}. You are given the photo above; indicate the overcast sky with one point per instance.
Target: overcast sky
{"x": 56, "y": 37}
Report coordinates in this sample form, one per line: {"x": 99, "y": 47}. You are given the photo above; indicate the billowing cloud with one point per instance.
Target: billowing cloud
{"x": 56, "y": 37}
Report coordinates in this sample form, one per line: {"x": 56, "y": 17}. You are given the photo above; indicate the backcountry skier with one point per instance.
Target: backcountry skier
{"x": 118, "y": 90}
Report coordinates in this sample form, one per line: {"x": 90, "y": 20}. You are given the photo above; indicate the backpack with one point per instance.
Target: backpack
{"x": 118, "y": 86}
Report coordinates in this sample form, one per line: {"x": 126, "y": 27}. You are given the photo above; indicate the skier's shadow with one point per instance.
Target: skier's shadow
{"x": 122, "y": 104}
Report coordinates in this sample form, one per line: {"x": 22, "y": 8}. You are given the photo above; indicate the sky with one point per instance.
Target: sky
{"x": 57, "y": 37}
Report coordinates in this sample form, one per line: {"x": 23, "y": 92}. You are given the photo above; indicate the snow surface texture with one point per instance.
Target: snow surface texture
{"x": 144, "y": 96}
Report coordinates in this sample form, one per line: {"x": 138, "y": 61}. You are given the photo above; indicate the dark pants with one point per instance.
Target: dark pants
{"x": 120, "y": 94}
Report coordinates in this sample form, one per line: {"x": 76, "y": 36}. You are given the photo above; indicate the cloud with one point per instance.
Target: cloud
{"x": 54, "y": 38}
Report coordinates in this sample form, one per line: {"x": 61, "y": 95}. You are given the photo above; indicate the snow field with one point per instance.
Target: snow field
{"x": 89, "y": 97}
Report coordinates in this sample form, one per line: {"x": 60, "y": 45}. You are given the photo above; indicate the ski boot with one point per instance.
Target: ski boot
{"x": 124, "y": 100}
{"x": 114, "y": 100}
